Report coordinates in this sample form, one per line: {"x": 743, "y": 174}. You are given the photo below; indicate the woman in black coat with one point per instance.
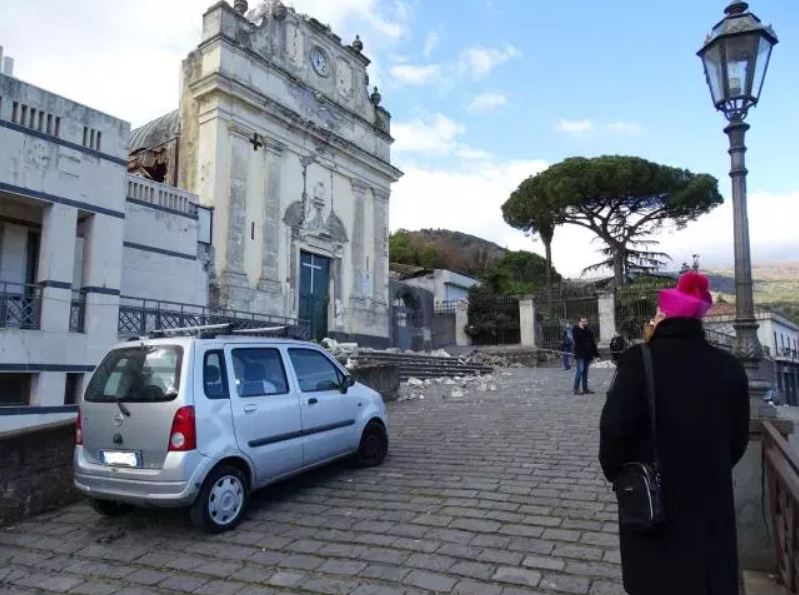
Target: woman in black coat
{"x": 702, "y": 414}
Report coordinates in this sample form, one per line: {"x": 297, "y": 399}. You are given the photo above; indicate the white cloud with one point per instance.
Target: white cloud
{"x": 479, "y": 61}
{"x": 430, "y": 43}
{"x": 625, "y": 128}
{"x": 129, "y": 66}
{"x": 575, "y": 127}
{"x": 486, "y": 102}
{"x": 435, "y": 134}
{"x": 470, "y": 153}
{"x": 466, "y": 199}
{"x": 410, "y": 74}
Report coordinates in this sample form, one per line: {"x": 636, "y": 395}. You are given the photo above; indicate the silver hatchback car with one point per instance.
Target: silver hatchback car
{"x": 201, "y": 422}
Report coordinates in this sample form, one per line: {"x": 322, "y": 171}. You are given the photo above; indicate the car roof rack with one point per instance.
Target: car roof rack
{"x": 203, "y": 331}
{"x": 210, "y": 331}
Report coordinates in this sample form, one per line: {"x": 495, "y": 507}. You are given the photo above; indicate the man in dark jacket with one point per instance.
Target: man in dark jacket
{"x": 702, "y": 414}
{"x": 585, "y": 350}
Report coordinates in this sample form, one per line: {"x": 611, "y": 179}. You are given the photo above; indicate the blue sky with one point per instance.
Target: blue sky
{"x": 482, "y": 94}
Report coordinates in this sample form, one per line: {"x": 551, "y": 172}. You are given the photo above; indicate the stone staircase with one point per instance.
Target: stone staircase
{"x": 416, "y": 365}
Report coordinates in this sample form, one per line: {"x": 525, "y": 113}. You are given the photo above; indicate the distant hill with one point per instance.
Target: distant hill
{"x": 776, "y": 286}
{"x": 457, "y": 251}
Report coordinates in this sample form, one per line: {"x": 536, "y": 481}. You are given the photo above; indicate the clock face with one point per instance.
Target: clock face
{"x": 319, "y": 62}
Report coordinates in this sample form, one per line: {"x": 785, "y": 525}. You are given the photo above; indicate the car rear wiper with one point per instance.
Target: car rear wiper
{"x": 125, "y": 411}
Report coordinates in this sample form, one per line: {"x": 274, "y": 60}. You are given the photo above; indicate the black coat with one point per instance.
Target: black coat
{"x": 702, "y": 431}
{"x": 584, "y": 343}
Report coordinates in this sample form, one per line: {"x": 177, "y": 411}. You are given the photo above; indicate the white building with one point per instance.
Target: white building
{"x": 278, "y": 133}
{"x": 780, "y": 339}
{"x": 446, "y": 286}
{"x": 78, "y": 234}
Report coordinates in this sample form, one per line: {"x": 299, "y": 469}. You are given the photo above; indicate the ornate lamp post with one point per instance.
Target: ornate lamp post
{"x": 736, "y": 56}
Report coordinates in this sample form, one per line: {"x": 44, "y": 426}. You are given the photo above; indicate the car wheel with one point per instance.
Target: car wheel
{"x": 110, "y": 507}
{"x": 374, "y": 445}
{"x": 222, "y": 501}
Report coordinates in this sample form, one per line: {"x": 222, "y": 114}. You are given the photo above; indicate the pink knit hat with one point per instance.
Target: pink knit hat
{"x": 690, "y": 299}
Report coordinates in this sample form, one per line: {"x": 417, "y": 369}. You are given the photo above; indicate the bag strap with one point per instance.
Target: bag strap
{"x": 649, "y": 375}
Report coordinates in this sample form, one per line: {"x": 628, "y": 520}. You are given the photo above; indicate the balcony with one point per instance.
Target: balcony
{"x": 21, "y": 307}
{"x": 161, "y": 195}
{"x": 140, "y": 316}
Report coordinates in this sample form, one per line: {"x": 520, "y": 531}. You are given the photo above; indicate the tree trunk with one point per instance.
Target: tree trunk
{"x": 618, "y": 267}
{"x": 548, "y": 270}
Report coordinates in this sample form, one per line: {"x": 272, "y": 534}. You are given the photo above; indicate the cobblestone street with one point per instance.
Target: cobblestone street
{"x": 492, "y": 492}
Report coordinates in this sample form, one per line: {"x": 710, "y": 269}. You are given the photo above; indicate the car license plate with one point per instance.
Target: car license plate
{"x": 125, "y": 458}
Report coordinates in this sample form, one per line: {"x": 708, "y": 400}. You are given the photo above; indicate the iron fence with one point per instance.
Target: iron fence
{"x": 494, "y": 320}
{"x": 140, "y": 316}
{"x": 562, "y": 307}
{"x": 20, "y": 305}
{"x": 635, "y": 307}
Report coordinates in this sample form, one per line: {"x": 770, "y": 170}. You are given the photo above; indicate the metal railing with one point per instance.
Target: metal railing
{"x": 782, "y": 476}
{"x": 140, "y": 316}
{"x": 447, "y": 306}
{"x": 720, "y": 339}
{"x": 20, "y": 305}
{"x": 162, "y": 195}
{"x": 77, "y": 311}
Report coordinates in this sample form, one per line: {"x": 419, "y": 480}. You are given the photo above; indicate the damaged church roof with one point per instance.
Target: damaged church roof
{"x": 155, "y": 133}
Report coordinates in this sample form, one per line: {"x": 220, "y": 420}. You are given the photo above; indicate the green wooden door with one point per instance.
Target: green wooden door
{"x": 314, "y": 291}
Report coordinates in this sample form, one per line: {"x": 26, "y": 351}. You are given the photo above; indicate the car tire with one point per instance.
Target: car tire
{"x": 110, "y": 507}
{"x": 222, "y": 501}
{"x": 374, "y": 445}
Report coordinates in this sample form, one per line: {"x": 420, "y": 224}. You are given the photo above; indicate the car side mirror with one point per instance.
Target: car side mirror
{"x": 346, "y": 383}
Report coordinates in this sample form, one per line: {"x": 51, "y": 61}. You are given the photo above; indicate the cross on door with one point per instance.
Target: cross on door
{"x": 313, "y": 267}
{"x": 256, "y": 141}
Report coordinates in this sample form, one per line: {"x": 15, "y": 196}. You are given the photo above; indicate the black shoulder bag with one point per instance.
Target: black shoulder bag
{"x": 637, "y": 485}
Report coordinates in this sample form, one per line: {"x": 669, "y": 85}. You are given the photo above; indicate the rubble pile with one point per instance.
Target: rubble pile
{"x": 488, "y": 359}
{"x": 456, "y": 387}
{"x": 604, "y": 364}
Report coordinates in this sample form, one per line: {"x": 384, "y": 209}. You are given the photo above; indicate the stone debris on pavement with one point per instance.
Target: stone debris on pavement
{"x": 604, "y": 364}
{"x": 493, "y": 493}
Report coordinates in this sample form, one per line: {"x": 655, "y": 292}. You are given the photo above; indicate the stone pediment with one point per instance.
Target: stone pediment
{"x": 311, "y": 54}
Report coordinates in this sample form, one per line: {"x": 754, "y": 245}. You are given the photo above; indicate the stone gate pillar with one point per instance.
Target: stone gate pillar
{"x": 461, "y": 320}
{"x": 607, "y": 316}
{"x": 527, "y": 321}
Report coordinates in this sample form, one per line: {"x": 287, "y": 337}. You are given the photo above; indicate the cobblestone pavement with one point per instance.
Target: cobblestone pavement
{"x": 492, "y": 492}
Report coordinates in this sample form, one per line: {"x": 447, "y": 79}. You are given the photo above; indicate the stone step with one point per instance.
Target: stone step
{"x": 423, "y": 366}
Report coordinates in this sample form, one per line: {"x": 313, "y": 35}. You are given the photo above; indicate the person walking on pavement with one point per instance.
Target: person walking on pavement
{"x": 701, "y": 413}
{"x": 566, "y": 346}
{"x": 585, "y": 350}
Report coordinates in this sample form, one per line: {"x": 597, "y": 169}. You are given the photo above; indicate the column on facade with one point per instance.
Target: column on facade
{"x": 232, "y": 268}
{"x": 381, "y": 245}
{"x": 102, "y": 276}
{"x": 270, "y": 257}
{"x": 358, "y": 242}
{"x": 56, "y": 265}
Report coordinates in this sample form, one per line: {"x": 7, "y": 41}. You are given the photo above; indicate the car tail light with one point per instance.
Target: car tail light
{"x": 183, "y": 435}
{"x": 79, "y": 430}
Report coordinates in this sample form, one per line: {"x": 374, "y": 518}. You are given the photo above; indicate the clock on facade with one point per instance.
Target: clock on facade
{"x": 319, "y": 62}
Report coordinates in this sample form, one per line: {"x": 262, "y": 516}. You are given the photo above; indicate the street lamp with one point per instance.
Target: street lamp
{"x": 736, "y": 56}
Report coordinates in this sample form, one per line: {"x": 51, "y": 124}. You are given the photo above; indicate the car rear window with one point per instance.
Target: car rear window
{"x": 146, "y": 373}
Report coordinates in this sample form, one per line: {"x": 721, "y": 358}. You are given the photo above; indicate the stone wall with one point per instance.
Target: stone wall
{"x": 36, "y": 471}
{"x": 384, "y": 378}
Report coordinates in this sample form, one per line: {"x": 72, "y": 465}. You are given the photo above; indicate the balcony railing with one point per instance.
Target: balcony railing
{"x": 139, "y": 316}
{"x": 720, "y": 339}
{"x": 20, "y": 305}
{"x": 161, "y": 195}
{"x": 77, "y": 312}
{"x": 782, "y": 473}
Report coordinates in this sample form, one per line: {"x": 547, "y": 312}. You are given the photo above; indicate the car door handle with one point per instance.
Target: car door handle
{"x": 249, "y": 408}
{"x": 313, "y": 401}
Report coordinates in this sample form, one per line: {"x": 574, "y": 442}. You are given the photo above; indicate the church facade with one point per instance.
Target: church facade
{"x": 281, "y": 137}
